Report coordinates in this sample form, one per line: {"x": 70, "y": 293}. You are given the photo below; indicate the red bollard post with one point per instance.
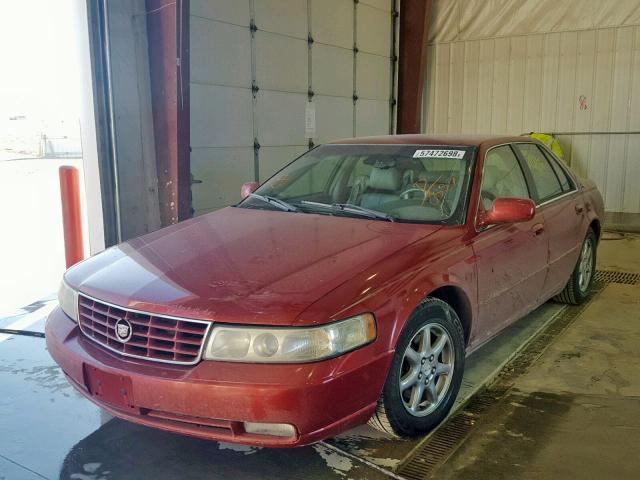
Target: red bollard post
{"x": 71, "y": 216}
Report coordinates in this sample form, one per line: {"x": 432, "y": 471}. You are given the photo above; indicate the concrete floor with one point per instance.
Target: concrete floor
{"x": 575, "y": 412}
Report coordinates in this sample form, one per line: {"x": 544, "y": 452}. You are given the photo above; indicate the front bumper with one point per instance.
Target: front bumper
{"x": 211, "y": 400}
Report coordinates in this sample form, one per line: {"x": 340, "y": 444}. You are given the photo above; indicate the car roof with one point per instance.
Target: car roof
{"x": 436, "y": 139}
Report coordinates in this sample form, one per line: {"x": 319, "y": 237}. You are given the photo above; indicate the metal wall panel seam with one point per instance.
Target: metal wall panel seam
{"x": 557, "y": 70}
{"x": 569, "y": 158}
{"x": 603, "y": 188}
{"x": 628, "y": 119}
{"x": 456, "y": 119}
{"x": 355, "y": 60}
{"x": 254, "y": 97}
{"x": 635, "y": 53}
{"x": 526, "y": 112}
{"x": 564, "y": 99}
{"x": 593, "y": 87}
{"x": 392, "y": 58}
{"x": 309, "y": 59}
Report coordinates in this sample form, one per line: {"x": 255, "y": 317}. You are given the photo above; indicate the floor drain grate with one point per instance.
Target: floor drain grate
{"x": 443, "y": 442}
{"x": 609, "y": 276}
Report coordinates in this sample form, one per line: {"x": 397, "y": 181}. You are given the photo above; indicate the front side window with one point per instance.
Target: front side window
{"x": 412, "y": 183}
{"x": 501, "y": 177}
{"x": 544, "y": 178}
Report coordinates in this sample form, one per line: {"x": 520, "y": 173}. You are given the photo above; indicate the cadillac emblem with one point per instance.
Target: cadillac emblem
{"x": 124, "y": 330}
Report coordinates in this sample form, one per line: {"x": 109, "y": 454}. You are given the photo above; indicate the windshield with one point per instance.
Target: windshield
{"x": 413, "y": 183}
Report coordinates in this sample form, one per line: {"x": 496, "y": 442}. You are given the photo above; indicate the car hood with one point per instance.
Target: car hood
{"x": 241, "y": 265}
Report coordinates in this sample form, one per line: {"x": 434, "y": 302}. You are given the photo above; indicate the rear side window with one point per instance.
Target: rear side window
{"x": 565, "y": 181}
{"x": 544, "y": 178}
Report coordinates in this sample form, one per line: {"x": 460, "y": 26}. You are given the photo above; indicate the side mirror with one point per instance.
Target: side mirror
{"x": 507, "y": 210}
{"x": 248, "y": 188}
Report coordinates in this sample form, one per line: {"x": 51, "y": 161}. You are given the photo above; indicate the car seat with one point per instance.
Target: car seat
{"x": 496, "y": 181}
{"x": 383, "y": 186}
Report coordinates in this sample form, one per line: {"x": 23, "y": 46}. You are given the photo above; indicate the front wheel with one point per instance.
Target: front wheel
{"x": 425, "y": 373}
{"x": 579, "y": 285}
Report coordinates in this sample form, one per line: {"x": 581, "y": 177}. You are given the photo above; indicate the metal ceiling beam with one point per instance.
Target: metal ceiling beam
{"x": 415, "y": 16}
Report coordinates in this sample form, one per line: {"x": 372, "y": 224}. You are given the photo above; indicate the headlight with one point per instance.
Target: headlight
{"x": 289, "y": 345}
{"x": 68, "y": 299}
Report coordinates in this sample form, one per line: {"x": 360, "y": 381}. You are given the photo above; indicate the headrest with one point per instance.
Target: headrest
{"x": 430, "y": 176}
{"x": 388, "y": 179}
{"x": 492, "y": 175}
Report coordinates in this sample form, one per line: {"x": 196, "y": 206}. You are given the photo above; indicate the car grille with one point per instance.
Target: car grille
{"x": 157, "y": 338}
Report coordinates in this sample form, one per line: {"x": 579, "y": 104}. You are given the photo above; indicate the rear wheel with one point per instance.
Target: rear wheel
{"x": 579, "y": 285}
{"x": 425, "y": 373}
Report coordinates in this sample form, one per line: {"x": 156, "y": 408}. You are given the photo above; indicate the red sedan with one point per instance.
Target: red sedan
{"x": 347, "y": 288}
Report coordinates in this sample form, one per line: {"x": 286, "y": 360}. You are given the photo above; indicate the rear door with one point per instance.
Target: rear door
{"x": 511, "y": 258}
{"x": 565, "y": 216}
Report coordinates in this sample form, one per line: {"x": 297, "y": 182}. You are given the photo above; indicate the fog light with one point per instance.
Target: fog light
{"x": 275, "y": 429}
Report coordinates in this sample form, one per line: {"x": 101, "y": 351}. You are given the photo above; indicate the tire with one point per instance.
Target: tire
{"x": 394, "y": 414}
{"x": 578, "y": 287}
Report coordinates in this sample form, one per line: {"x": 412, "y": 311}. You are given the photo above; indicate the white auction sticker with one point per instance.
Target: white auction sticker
{"x": 439, "y": 154}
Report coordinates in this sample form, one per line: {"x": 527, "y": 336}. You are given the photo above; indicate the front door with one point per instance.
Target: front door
{"x": 511, "y": 258}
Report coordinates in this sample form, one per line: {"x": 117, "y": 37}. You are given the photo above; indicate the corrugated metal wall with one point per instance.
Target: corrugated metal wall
{"x": 525, "y": 76}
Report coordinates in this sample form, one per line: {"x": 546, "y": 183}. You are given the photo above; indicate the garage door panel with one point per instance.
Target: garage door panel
{"x": 233, "y": 11}
{"x": 226, "y": 62}
{"x": 220, "y": 53}
{"x": 380, "y": 4}
{"x": 220, "y": 116}
{"x": 281, "y": 118}
{"x": 273, "y": 159}
{"x": 374, "y": 30}
{"x": 373, "y": 77}
{"x": 332, "y": 22}
{"x": 222, "y": 172}
{"x": 372, "y": 117}
{"x": 281, "y": 63}
{"x": 332, "y": 69}
{"x": 287, "y": 17}
{"x": 334, "y": 118}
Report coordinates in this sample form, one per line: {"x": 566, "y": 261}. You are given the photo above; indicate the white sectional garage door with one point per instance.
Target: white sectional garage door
{"x": 259, "y": 66}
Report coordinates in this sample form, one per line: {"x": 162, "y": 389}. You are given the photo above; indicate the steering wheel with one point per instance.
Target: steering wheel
{"x": 434, "y": 198}
{"x": 410, "y": 190}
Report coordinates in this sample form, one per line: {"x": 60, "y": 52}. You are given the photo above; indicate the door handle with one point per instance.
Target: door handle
{"x": 579, "y": 208}
{"x": 538, "y": 228}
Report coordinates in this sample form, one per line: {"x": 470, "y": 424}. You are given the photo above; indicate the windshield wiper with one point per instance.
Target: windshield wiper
{"x": 276, "y": 202}
{"x": 350, "y": 208}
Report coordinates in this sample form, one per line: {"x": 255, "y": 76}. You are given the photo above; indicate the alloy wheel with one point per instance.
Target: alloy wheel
{"x": 426, "y": 370}
{"x": 585, "y": 269}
